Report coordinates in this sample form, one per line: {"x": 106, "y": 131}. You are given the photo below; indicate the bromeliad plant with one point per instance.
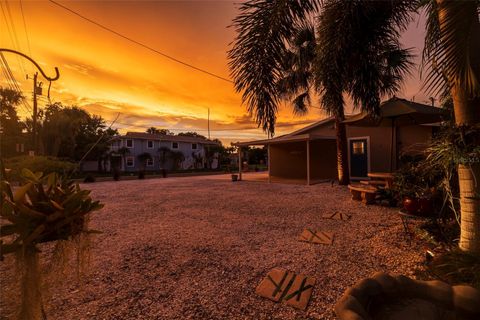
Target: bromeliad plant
{"x": 45, "y": 208}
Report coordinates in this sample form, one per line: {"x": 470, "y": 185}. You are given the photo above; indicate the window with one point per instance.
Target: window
{"x": 129, "y": 143}
{"x": 174, "y": 145}
{"x": 358, "y": 147}
{"x": 194, "y": 146}
{"x": 130, "y": 161}
{"x": 149, "y": 162}
{"x": 149, "y": 144}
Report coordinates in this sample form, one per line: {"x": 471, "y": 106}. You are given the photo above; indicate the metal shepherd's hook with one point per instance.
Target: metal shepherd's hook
{"x": 57, "y": 74}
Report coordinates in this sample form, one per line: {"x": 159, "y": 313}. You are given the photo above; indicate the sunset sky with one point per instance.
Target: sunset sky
{"x": 107, "y": 75}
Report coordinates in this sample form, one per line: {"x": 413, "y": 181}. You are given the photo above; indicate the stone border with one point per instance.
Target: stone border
{"x": 353, "y": 305}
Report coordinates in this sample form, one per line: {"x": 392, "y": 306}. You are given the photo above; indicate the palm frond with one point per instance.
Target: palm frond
{"x": 358, "y": 42}
{"x": 256, "y": 58}
{"x": 301, "y": 103}
{"x": 451, "y": 43}
{"x": 296, "y": 78}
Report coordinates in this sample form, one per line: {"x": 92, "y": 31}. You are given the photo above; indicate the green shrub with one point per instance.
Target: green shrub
{"x": 38, "y": 164}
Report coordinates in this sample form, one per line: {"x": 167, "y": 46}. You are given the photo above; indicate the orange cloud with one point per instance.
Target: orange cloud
{"x": 106, "y": 74}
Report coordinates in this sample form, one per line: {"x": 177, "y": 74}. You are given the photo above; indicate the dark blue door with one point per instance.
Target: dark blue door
{"x": 358, "y": 158}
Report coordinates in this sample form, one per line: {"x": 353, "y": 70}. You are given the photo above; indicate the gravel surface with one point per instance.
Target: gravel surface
{"x": 196, "y": 248}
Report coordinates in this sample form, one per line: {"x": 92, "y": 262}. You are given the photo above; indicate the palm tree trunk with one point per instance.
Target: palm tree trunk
{"x": 467, "y": 112}
{"x": 342, "y": 145}
{"x": 469, "y": 207}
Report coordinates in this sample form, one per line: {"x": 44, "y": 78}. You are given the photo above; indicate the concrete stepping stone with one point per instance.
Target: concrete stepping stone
{"x": 318, "y": 237}
{"x": 337, "y": 216}
{"x": 287, "y": 287}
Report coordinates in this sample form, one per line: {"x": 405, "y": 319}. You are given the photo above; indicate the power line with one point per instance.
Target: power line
{"x": 12, "y": 81}
{"x": 99, "y": 139}
{"x": 12, "y": 21}
{"x": 140, "y": 43}
{"x": 26, "y": 30}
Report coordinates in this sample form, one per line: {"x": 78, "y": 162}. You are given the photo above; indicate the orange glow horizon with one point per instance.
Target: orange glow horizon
{"x": 107, "y": 75}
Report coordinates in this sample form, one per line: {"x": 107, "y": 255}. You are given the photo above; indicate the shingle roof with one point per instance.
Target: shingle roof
{"x": 161, "y": 137}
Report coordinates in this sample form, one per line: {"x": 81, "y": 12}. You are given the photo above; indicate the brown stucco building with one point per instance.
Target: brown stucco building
{"x": 308, "y": 155}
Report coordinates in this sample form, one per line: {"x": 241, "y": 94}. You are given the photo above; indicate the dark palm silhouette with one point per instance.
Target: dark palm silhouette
{"x": 363, "y": 62}
{"x": 164, "y": 153}
{"x": 143, "y": 158}
{"x": 123, "y": 151}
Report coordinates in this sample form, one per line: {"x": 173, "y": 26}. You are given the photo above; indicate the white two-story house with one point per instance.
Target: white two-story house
{"x": 169, "y": 152}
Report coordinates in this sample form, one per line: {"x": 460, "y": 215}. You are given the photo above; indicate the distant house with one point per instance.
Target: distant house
{"x": 155, "y": 152}
{"x": 16, "y": 145}
{"x": 309, "y": 155}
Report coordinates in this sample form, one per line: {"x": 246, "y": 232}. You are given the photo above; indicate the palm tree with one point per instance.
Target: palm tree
{"x": 164, "y": 154}
{"x": 143, "y": 158}
{"x": 293, "y": 64}
{"x": 177, "y": 158}
{"x": 123, "y": 151}
{"x": 365, "y": 60}
{"x": 452, "y": 55}
{"x": 297, "y": 84}
{"x": 452, "y": 58}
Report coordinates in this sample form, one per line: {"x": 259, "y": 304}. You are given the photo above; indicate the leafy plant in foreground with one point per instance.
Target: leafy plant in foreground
{"x": 45, "y": 208}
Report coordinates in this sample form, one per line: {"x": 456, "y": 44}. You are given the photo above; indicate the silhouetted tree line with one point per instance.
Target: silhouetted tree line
{"x": 63, "y": 131}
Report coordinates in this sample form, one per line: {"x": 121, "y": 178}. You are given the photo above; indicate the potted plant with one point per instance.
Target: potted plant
{"x": 416, "y": 185}
{"x": 45, "y": 208}
{"x": 426, "y": 202}
{"x": 406, "y": 184}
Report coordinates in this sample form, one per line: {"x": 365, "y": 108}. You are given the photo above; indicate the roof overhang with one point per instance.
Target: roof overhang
{"x": 284, "y": 139}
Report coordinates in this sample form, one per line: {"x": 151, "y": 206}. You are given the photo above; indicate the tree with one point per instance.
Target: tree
{"x": 191, "y": 134}
{"x": 71, "y": 132}
{"x": 143, "y": 158}
{"x": 60, "y": 127}
{"x": 177, "y": 158}
{"x": 93, "y": 141}
{"x": 165, "y": 132}
{"x": 164, "y": 153}
{"x": 215, "y": 151}
{"x": 365, "y": 60}
{"x": 452, "y": 57}
{"x": 277, "y": 35}
{"x": 123, "y": 151}
{"x": 298, "y": 82}
{"x": 10, "y": 125}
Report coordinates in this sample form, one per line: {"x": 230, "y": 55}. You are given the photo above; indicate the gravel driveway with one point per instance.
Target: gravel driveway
{"x": 196, "y": 248}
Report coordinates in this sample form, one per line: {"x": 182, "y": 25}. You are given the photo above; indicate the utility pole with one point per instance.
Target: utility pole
{"x": 208, "y": 124}
{"x": 36, "y": 89}
{"x": 34, "y": 117}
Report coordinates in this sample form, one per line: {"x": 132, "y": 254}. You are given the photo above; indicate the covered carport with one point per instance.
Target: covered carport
{"x": 301, "y": 159}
